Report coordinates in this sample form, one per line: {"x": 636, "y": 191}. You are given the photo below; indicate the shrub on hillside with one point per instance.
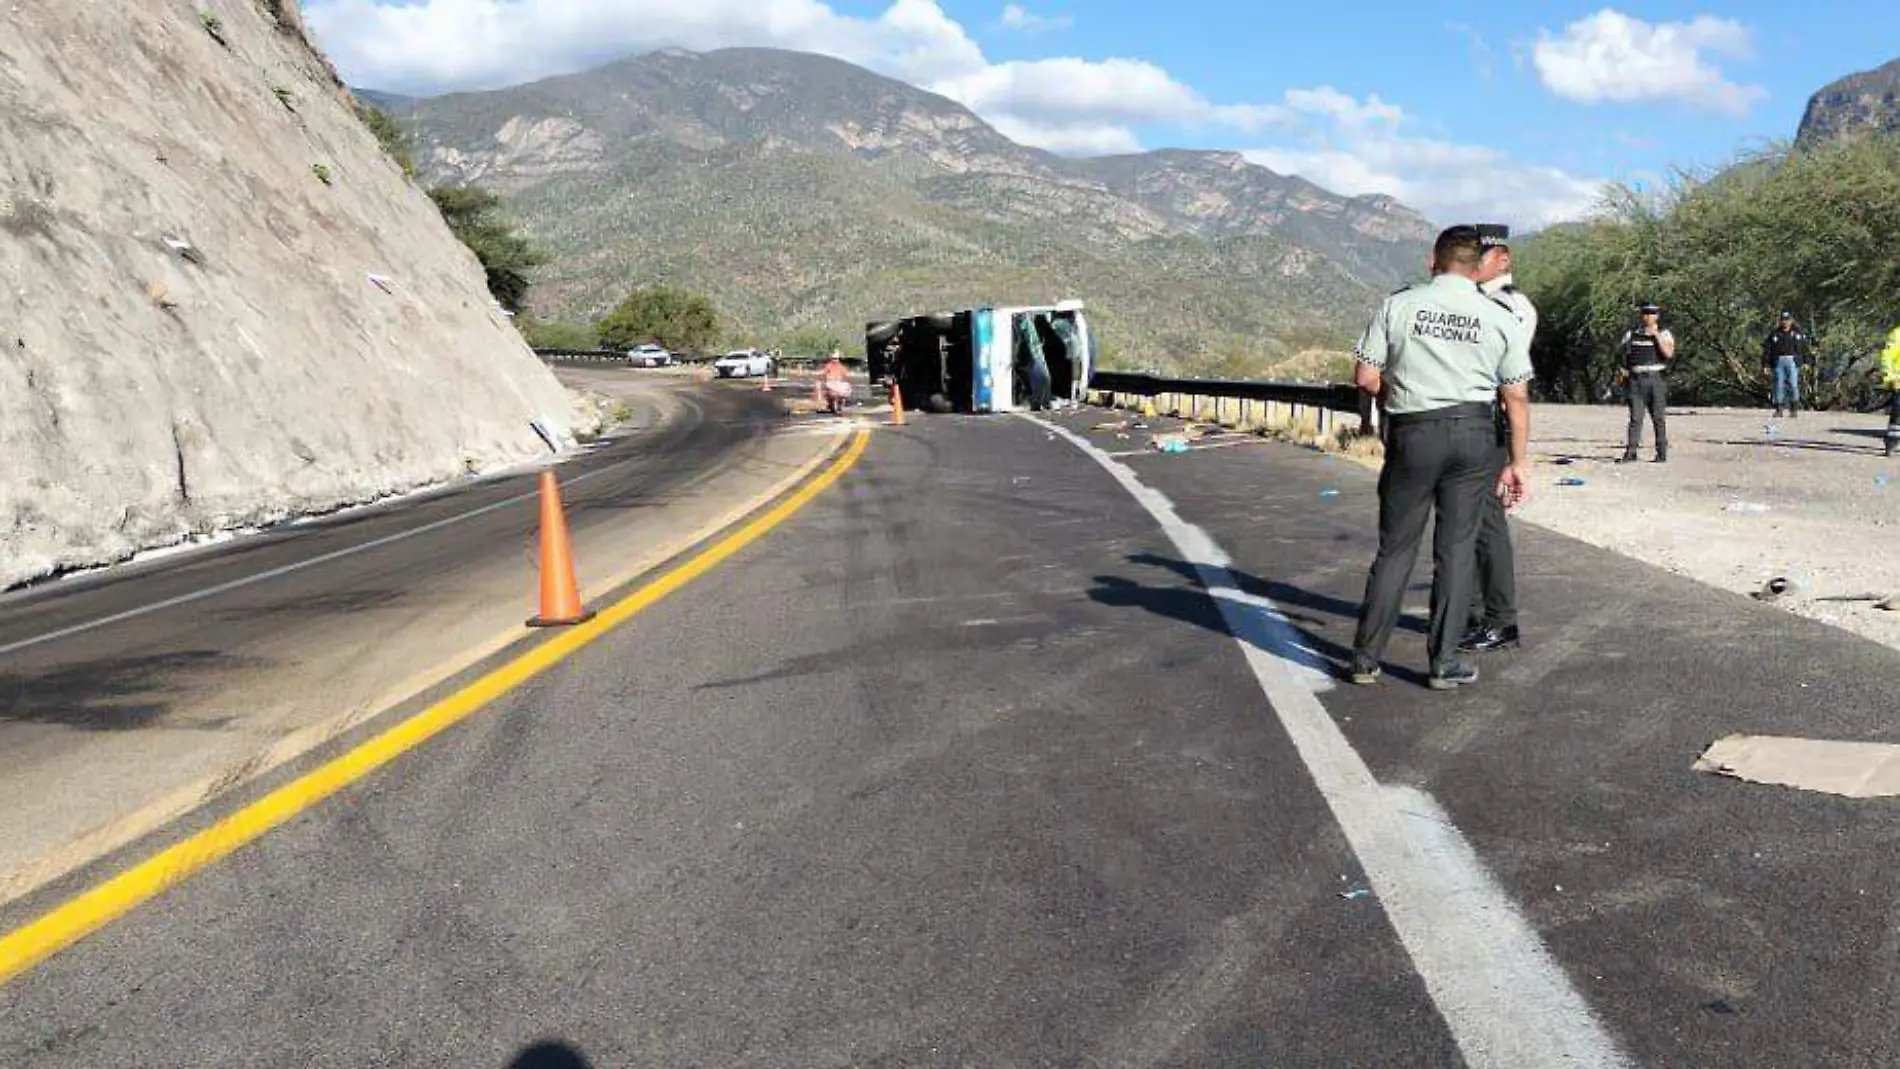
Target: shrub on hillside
{"x": 678, "y": 319}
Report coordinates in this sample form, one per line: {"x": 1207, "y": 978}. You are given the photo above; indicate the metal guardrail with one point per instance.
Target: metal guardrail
{"x": 614, "y": 356}
{"x": 1241, "y": 400}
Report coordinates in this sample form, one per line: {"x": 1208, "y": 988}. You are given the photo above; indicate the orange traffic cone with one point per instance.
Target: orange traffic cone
{"x": 560, "y": 593}
{"x": 897, "y": 406}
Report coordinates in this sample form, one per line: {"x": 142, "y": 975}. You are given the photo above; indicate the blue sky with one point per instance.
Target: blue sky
{"x": 1511, "y": 111}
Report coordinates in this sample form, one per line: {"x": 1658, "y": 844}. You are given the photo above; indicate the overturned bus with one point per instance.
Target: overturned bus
{"x": 985, "y": 359}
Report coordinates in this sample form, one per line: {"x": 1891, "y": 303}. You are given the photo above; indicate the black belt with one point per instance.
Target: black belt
{"x": 1468, "y": 410}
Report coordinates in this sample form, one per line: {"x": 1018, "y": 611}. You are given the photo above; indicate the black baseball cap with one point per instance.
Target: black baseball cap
{"x": 1493, "y": 235}
{"x": 1648, "y": 307}
{"x": 1787, "y": 314}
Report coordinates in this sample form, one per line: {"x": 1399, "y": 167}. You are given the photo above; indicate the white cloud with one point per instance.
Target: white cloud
{"x": 436, "y": 45}
{"x": 1611, "y": 57}
{"x": 1068, "y": 105}
{"x": 1017, "y": 17}
{"x": 1358, "y": 148}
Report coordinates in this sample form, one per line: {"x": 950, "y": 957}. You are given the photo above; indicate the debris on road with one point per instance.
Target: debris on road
{"x": 1774, "y": 588}
{"x": 1331, "y": 491}
{"x": 1171, "y": 443}
{"x": 1745, "y": 508}
{"x": 1571, "y": 480}
{"x": 1356, "y": 893}
{"x": 1111, "y": 425}
{"x": 1848, "y": 769}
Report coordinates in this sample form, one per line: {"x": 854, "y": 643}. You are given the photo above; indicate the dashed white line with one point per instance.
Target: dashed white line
{"x": 1504, "y": 997}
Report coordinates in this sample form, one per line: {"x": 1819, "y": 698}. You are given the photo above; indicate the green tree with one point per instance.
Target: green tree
{"x": 474, "y": 214}
{"x": 556, "y": 334}
{"x": 391, "y": 135}
{"x": 1810, "y": 231}
{"x": 678, "y": 319}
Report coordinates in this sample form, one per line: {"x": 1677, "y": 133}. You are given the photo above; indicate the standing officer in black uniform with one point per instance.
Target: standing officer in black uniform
{"x": 1646, "y": 352}
{"x": 1441, "y": 353}
{"x": 1493, "y": 622}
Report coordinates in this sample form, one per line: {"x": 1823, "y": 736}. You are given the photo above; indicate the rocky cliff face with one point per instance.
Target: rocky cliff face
{"x": 220, "y": 304}
{"x": 1855, "y": 106}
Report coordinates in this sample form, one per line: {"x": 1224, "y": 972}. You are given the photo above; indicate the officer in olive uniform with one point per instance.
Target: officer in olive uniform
{"x": 1646, "y": 351}
{"x": 1441, "y": 353}
{"x": 1493, "y": 621}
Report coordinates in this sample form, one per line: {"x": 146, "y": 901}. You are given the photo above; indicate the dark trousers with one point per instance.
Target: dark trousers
{"x": 1893, "y": 423}
{"x": 1495, "y": 600}
{"x": 1439, "y": 465}
{"x": 1648, "y": 393}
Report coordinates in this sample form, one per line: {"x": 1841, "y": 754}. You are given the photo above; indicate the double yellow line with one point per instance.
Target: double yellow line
{"x": 93, "y": 909}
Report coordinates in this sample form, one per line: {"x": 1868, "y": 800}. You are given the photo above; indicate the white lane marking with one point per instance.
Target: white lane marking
{"x": 1504, "y": 997}
{"x": 273, "y": 573}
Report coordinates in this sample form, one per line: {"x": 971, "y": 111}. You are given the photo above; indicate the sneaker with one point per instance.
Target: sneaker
{"x": 1365, "y": 670}
{"x": 1452, "y": 675}
{"x": 1627, "y": 458}
{"x": 1487, "y": 639}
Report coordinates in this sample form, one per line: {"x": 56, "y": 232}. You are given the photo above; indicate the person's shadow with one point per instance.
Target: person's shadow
{"x": 550, "y": 1055}
{"x": 1290, "y": 630}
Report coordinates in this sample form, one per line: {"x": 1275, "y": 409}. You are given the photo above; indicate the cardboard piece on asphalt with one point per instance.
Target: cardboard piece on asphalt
{"x": 1850, "y": 769}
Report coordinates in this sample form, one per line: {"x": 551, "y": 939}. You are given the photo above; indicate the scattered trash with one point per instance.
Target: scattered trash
{"x": 1112, "y": 425}
{"x": 1019, "y": 480}
{"x": 1171, "y": 443}
{"x": 1849, "y": 769}
{"x": 1356, "y": 893}
{"x": 1721, "y": 1006}
{"x": 1771, "y": 431}
{"x": 1773, "y": 588}
{"x": 381, "y": 282}
{"x": 1564, "y": 462}
{"x": 1745, "y": 508}
{"x": 184, "y": 248}
{"x": 1571, "y": 480}
{"x": 1881, "y": 481}
{"x": 1123, "y": 437}
{"x": 1052, "y": 437}
{"x": 1331, "y": 491}
{"x": 1139, "y": 426}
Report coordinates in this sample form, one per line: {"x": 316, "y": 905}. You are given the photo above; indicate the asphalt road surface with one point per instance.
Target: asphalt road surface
{"x": 179, "y": 674}
{"x": 964, "y": 765}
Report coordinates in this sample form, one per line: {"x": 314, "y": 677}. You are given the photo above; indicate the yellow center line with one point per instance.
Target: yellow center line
{"x": 93, "y": 909}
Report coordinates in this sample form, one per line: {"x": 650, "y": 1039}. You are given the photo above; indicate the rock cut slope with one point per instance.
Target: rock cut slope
{"x": 220, "y": 304}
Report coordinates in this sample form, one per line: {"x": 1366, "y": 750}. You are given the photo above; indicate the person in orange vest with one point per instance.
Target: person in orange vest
{"x": 835, "y": 381}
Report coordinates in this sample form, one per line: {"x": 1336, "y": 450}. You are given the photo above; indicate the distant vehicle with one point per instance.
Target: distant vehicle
{"x": 743, "y": 364}
{"x": 650, "y": 356}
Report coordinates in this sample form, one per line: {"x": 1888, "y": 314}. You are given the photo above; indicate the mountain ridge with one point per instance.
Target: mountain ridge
{"x": 703, "y": 168}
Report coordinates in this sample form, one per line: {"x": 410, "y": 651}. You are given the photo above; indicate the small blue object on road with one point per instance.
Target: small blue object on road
{"x": 1571, "y": 480}
{"x": 1355, "y": 893}
{"x": 1331, "y": 491}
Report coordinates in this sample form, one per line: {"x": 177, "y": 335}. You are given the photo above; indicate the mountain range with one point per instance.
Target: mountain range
{"x": 808, "y": 196}
{"x": 1855, "y": 106}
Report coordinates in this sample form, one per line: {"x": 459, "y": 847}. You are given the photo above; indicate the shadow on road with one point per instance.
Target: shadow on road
{"x": 1196, "y": 605}
{"x": 1803, "y": 444}
{"x": 551, "y": 1055}
{"x": 115, "y": 694}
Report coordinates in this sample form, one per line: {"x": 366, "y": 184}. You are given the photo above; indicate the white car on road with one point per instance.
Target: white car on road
{"x": 650, "y": 356}
{"x": 742, "y": 364}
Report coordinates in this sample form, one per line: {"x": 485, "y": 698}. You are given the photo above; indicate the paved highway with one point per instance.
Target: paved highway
{"x": 1001, "y": 751}
{"x": 128, "y": 695}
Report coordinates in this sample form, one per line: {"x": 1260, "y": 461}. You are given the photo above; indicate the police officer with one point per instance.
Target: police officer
{"x": 1441, "y": 353}
{"x": 1646, "y": 351}
{"x": 1782, "y": 354}
{"x": 1493, "y": 621}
